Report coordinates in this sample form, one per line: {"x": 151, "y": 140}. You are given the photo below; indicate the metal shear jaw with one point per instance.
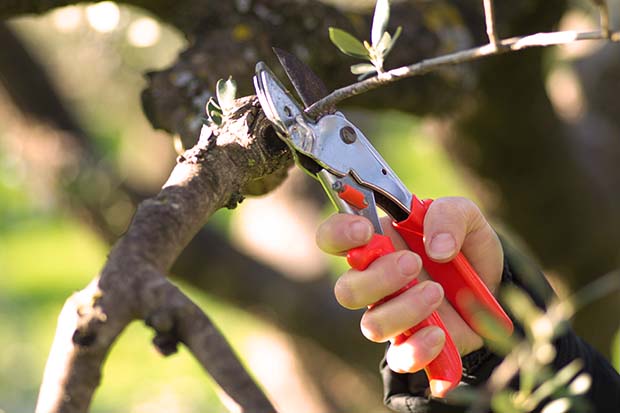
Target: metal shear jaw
{"x": 333, "y": 143}
{"x": 343, "y": 150}
{"x": 281, "y": 108}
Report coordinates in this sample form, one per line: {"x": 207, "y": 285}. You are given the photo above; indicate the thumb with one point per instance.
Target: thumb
{"x": 446, "y": 224}
{"x": 453, "y": 224}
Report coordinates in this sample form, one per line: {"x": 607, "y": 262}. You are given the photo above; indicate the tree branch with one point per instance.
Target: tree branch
{"x": 209, "y": 262}
{"x": 604, "y": 18}
{"x": 131, "y": 285}
{"x": 490, "y": 54}
{"x": 489, "y": 17}
{"x": 508, "y": 45}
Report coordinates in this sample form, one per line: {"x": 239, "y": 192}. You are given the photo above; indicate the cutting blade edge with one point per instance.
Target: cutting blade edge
{"x": 308, "y": 85}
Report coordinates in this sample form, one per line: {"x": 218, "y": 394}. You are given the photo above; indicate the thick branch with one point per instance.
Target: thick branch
{"x": 83, "y": 339}
{"x": 209, "y": 262}
{"x": 130, "y": 286}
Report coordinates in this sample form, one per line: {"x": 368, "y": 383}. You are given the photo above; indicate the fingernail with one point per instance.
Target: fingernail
{"x": 431, "y": 293}
{"x": 433, "y": 336}
{"x": 359, "y": 232}
{"x": 442, "y": 246}
{"x": 409, "y": 264}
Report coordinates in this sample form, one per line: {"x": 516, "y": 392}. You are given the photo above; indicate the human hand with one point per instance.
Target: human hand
{"x": 450, "y": 225}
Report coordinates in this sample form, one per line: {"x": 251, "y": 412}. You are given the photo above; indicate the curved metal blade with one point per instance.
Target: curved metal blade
{"x": 308, "y": 85}
{"x": 279, "y": 106}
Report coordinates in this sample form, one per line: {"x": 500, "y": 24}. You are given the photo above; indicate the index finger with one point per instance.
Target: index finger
{"x": 341, "y": 232}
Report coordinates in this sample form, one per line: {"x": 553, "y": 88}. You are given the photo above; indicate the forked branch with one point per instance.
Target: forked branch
{"x": 132, "y": 284}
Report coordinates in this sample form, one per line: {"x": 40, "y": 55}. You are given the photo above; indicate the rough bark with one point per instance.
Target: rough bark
{"x": 132, "y": 284}
{"x": 209, "y": 262}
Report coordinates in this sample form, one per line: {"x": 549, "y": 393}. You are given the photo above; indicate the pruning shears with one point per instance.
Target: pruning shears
{"x": 357, "y": 180}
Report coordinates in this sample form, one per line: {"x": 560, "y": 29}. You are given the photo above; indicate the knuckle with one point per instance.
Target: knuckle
{"x": 432, "y": 296}
{"x": 457, "y": 212}
{"x": 330, "y": 234}
{"x": 393, "y": 271}
{"x": 453, "y": 205}
{"x": 469, "y": 210}
{"x": 324, "y": 234}
{"x": 385, "y": 270}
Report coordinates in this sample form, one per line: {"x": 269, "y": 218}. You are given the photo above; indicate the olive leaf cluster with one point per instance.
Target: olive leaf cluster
{"x": 375, "y": 52}
{"x": 529, "y": 357}
{"x": 538, "y": 383}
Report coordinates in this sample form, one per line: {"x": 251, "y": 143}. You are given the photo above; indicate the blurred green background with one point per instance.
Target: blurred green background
{"x": 97, "y": 57}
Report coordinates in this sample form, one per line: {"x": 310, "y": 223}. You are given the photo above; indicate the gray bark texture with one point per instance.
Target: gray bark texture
{"x": 132, "y": 284}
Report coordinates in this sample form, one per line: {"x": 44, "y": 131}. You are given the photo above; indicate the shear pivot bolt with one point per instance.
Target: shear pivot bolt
{"x": 348, "y": 135}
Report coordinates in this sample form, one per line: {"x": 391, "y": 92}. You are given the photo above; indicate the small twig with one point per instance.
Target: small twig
{"x": 597, "y": 289}
{"x": 604, "y": 18}
{"x": 489, "y": 18}
{"x": 425, "y": 66}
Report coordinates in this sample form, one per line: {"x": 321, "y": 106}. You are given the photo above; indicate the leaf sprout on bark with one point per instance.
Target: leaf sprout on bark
{"x": 220, "y": 107}
{"x": 381, "y": 42}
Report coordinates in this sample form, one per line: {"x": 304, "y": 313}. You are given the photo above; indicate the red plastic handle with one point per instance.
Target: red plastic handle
{"x": 462, "y": 286}
{"x": 444, "y": 371}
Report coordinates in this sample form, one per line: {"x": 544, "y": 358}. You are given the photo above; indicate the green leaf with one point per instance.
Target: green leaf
{"x": 216, "y": 117}
{"x": 362, "y": 68}
{"x": 379, "y": 21}
{"x": 525, "y": 311}
{"x": 558, "y": 406}
{"x": 503, "y": 402}
{"x": 226, "y": 92}
{"x": 212, "y": 106}
{"x": 561, "y": 379}
{"x": 214, "y": 112}
{"x": 384, "y": 43}
{"x": 347, "y": 44}
{"x": 395, "y": 37}
{"x": 580, "y": 384}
